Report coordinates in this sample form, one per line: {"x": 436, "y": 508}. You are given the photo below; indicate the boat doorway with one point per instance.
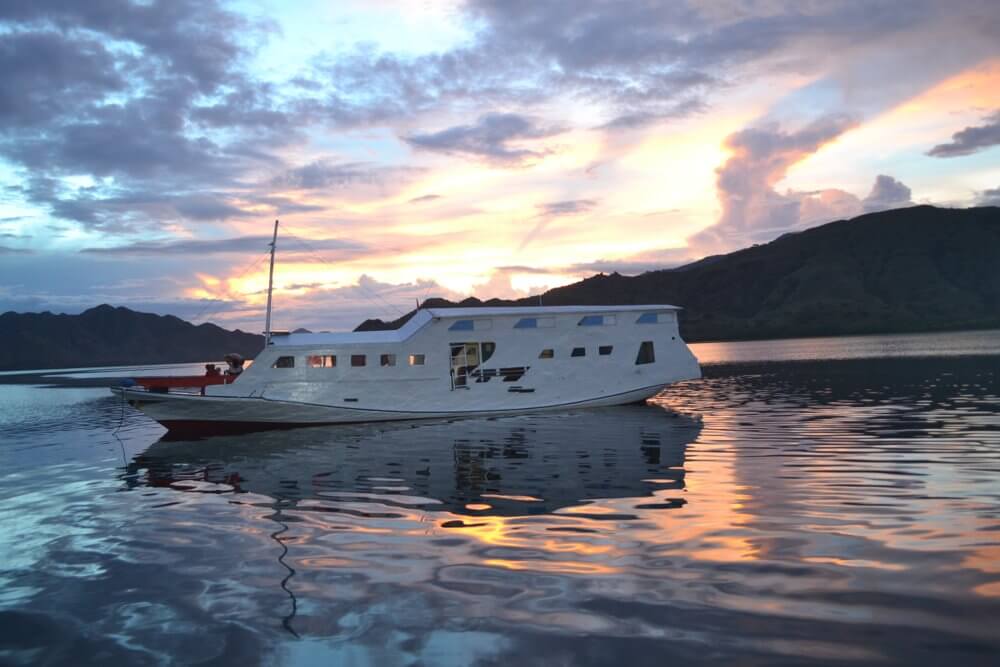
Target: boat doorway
{"x": 466, "y": 358}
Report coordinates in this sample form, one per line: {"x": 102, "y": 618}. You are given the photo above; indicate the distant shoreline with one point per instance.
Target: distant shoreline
{"x": 61, "y": 377}
{"x": 989, "y": 326}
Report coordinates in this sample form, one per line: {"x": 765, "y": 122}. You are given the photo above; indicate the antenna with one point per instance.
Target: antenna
{"x": 270, "y": 286}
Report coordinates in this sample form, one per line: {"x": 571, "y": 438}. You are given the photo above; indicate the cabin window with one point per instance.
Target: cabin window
{"x": 512, "y": 374}
{"x": 461, "y": 325}
{"x": 547, "y": 353}
{"x": 645, "y": 355}
{"x": 596, "y": 320}
{"x": 284, "y": 362}
{"x": 358, "y": 360}
{"x": 647, "y": 318}
{"x": 387, "y": 360}
{"x": 321, "y": 361}
{"x": 416, "y": 360}
{"x": 535, "y": 323}
{"x": 605, "y": 350}
{"x": 578, "y": 352}
{"x": 466, "y": 359}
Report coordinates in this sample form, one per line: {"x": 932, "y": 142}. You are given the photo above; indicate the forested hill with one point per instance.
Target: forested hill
{"x": 906, "y": 270}
{"x": 913, "y": 269}
{"x": 105, "y": 336}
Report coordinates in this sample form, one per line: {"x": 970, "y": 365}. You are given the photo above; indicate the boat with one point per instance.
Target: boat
{"x": 441, "y": 363}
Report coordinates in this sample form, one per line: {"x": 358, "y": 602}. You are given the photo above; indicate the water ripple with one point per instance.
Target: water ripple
{"x": 778, "y": 513}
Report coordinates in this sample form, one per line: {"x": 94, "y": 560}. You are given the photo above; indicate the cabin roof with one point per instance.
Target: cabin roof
{"x": 425, "y": 315}
{"x": 457, "y": 313}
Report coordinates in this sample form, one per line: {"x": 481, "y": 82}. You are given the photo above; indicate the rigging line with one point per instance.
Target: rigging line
{"x": 314, "y": 253}
{"x": 219, "y": 303}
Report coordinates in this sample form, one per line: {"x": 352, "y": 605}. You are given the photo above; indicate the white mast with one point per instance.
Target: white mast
{"x": 270, "y": 285}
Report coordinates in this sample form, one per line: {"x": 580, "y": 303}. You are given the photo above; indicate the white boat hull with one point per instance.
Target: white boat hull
{"x": 442, "y": 364}
{"x": 214, "y": 414}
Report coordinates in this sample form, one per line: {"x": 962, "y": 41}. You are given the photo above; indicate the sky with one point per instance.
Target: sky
{"x": 447, "y": 148}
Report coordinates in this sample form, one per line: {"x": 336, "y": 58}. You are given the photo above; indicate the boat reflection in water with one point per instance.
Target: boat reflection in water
{"x": 361, "y": 519}
{"x": 507, "y": 466}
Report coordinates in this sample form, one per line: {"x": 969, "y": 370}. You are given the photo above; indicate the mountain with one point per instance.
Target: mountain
{"x": 906, "y": 270}
{"x": 106, "y": 336}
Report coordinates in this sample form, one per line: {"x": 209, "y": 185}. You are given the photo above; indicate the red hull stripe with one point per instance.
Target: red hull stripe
{"x": 169, "y": 382}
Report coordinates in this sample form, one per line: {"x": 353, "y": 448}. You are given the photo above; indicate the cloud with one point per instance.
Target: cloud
{"x": 552, "y": 210}
{"x": 988, "y": 197}
{"x": 887, "y": 193}
{"x": 325, "y": 174}
{"x": 651, "y": 260}
{"x": 424, "y": 198}
{"x": 7, "y": 250}
{"x": 754, "y": 212}
{"x": 971, "y": 140}
{"x": 570, "y": 207}
{"x": 344, "y": 307}
{"x": 245, "y": 245}
{"x": 488, "y": 138}
{"x": 761, "y": 156}
{"x": 34, "y": 64}
{"x": 114, "y": 91}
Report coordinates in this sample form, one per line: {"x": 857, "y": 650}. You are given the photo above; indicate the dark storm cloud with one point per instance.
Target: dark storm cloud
{"x": 971, "y": 140}
{"x": 887, "y": 193}
{"x": 489, "y": 138}
{"x": 247, "y": 245}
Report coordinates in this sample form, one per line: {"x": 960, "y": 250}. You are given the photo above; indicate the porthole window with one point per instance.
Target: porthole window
{"x": 578, "y": 352}
{"x": 387, "y": 360}
{"x": 605, "y": 350}
{"x": 547, "y": 353}
{"x": 359, "y": 360}
{"x": 416, "y": 360}
{"x": 645, "y": 355}
{"x": 284, "y": 362}
{"x": 321, "y": 361}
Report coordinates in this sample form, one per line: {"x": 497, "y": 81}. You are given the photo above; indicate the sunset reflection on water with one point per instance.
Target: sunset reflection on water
{"x": 797, "y": 512}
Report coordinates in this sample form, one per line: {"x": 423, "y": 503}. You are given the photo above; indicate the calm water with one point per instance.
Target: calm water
{"x": 844, "y": 508}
